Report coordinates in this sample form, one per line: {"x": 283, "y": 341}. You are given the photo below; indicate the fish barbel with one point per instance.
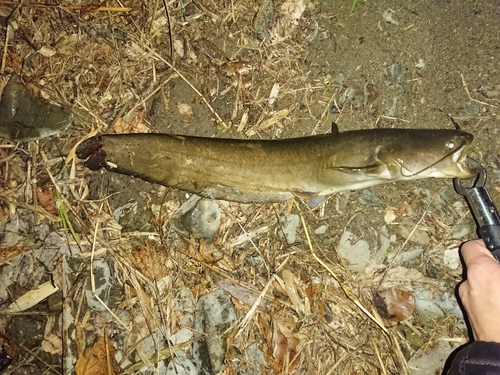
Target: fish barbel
{"x": 276, "y": 170}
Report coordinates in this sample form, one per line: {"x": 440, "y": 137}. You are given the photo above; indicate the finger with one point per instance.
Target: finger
{"x": 475, "y": 252}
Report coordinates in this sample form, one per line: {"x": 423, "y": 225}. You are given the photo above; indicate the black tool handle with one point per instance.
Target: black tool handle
{"x": 491, "y": 237}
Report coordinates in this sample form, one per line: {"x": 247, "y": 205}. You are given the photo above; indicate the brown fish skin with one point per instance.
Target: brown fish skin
{"x": 276, "y": 170}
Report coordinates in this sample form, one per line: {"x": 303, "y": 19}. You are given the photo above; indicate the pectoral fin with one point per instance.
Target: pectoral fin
{"x": 312, "y": 199}
{"x": 304, "y": 194}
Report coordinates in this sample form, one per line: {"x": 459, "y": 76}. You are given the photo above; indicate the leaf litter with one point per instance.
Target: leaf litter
{"x": 211, "y": 69}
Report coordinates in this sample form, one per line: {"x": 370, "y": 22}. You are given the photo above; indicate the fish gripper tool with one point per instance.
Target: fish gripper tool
{"x": 482, "y": 208}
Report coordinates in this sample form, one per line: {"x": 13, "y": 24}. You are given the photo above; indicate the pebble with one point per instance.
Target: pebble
{"x": 103, "y": 284}
{"x": 432, "y": 360}
{"x": 214, "y": 315}
{"x": 420, "y": 64}
{"x": 356, "y": 252}
{"x": 430, "y": 305}
{"x": 181, "y": 365}
{"x": 200, "y": 217}
{"x": 289, "y": 225}
{"x": 185, "y": 302}
{"x": 410, "y": 254}
{"x": 419, "y": 237}
{"x": 451, "y": 259}
{"x": 366, "y": 197}
{"x": 321, "y": 229}
{"x": 462, "y": 230}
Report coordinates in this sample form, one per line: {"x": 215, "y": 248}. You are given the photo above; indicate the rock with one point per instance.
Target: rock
{"x": 289, "y": 225}
{"x": 366, "y": 197}
{"x": 419, "y": 237}
{"x": 214, "y": 315}
{"x": 25, "y": 117}
{"x": 254, "y": 357}
{"x": 406, "y": 256}
{"x": 185, "y": 302}
{"x": 133, "y": 216}
{"x": 431, "y": 305}
{"x": 461, "y": 230}
{"x": 200, "y": 217}
{"x": 26, "y": 330}
{"x": 432, "y": 360}
{"x": 451, "y": 259}
{"x": 321, "y": 229}
{"x": 103, "y": 284}
{"x": 360, "y": 245}
{"x": 181, "y": 365}
{"x": 356, "y": 252}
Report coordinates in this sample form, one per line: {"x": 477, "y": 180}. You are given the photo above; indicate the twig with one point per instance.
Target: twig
{"x": 163, "y": 60}
{"x": 167, "y": 12}
{"x": 92, "y": 283}
{"x": 40, "y": 359}
{"x": 256, "y": 304}
{"x": 471, "y": 98}
{"x": 346, "y": 291}
{"x": 404, "y": 244}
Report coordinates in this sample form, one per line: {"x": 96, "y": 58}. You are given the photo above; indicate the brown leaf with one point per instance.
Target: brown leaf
{"x": 95, "y": 360}
{"x": 46, "y": 199}
{"x": 131, "y": 123}
{"x": 285, "y": 352}
{"x": 52, "y": 344}
{"x": 394, "y": 304}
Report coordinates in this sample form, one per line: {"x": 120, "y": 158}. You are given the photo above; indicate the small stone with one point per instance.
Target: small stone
{"x": 200, "y": 217}
{"x": 321, "y": 229}
{"x": 103, "y": 283}
{"x": 417, "y": 236}
{"x": 420, "y": 64}
{"x": 368, "y": 198}
{"x": 451, "y": 259}
{"x": 461, "y": 230}
{"x": 427, "y": 310}
{"x": 214, "y": 315}
{"x": 356, "y": 251}
{"x": 289, "y": 224}
{"x": 181, "y": 365}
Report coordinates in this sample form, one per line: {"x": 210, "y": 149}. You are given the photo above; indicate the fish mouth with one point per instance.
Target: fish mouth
{"x": 464, "y": 169}
{"x": 452, "y": 164}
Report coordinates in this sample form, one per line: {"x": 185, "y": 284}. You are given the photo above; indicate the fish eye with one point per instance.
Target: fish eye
{"x": 450, "y": 145}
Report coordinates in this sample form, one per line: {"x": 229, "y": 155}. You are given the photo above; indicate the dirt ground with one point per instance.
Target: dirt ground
{"x": 209, "y": 69}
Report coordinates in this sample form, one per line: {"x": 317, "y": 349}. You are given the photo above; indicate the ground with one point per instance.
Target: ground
{"x": 241, "y": 69}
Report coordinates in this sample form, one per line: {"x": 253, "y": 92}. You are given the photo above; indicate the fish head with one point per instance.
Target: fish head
{"x": 428, "y": 153}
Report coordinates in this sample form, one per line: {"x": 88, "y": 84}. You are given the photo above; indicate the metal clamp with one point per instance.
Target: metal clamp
{"x": 482, "y": 208}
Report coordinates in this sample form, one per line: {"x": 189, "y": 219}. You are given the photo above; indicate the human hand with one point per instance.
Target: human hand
{"x": 480, "y": 292}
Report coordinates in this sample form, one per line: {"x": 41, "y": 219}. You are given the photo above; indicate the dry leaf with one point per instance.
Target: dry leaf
{"x": 291, "y": 290}
{"x": 95, "y": 361}
{"x": 46, "y": 51}
{"x": 395, "y": 304}
{"x": 185, "y": 109}
{"x": 274, "y": 120}
{"x": 32, "y": 297}
{"x": 132, "y": 123}
{"x": 46, "y": 199}
{"x": 285, "y": 352}
{"x": 52, "y": 344}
